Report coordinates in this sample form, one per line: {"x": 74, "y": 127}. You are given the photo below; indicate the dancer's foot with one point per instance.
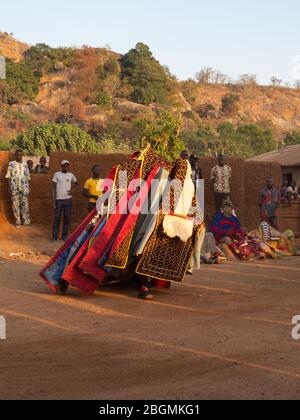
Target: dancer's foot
{"x": 145, "y": 294}
{"x": 64, "y": 287}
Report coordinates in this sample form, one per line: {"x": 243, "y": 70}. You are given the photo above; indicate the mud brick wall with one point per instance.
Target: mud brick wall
{"x": 81, "y": 165}
{"x": 247, "y": 180}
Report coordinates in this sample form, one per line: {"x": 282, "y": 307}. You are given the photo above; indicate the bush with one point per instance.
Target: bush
{"x": 5, "y": 145}
{"x": 292, "y": 138}
{"x": 245, "y": 142}
{"x": 21, "y": 84}
{"x": 104, "y": 100}
{"x": 256, "y": 140}
{"x": 204, "y": 109}
{"x": 163, "y": 134}
{"x": 189, "y": 90}
{"x": 201, "y": 142}
{"x": 108, "y": 144}
{"x": 47, "y": 138}
{"x": 112, "y": 66}
{"x": 230, "y": 104}
{"x": 43, "y": 58}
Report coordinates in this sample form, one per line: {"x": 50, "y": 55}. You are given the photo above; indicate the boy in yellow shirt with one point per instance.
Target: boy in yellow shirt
{"x": 93, "y": 188}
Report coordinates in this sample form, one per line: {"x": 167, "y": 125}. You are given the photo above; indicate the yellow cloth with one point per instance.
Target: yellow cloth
{"x": 94, "y": 187}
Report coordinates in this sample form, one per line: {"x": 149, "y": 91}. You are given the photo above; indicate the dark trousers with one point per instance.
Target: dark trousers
{"x": 91, "y": 207}
{"x": 219, "y": 200}
{"x": 63, "y": 208}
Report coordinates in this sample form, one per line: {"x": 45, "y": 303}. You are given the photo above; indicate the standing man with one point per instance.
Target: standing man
{"x": 269, "y": 202}
{"x": 30, "y": 165}
{"x": 196, "y": 170}
{"x": 221, "y": 176}
{"x": 18, "y": 176}
{"x": 93, "y": 188}
{"x": 42, "y": 167}
{"x": 63, "y": 183}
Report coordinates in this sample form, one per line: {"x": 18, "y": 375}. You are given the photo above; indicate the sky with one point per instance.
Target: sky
{"x": 234, "y": 36}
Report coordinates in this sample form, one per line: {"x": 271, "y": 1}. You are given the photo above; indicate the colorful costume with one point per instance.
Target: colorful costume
{"x": 274, "y": 243}
{"x": 135, "y": 237}
{"x": 227, "y": 230}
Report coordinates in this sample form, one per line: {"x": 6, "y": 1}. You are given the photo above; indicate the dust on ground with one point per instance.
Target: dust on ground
{"x": 224, "y": 334}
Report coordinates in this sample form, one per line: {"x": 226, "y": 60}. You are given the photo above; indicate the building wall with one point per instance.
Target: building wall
{"x": 247, "y": 180}
{"x": 290, "y": 217}
{"x": 295, "y": 170}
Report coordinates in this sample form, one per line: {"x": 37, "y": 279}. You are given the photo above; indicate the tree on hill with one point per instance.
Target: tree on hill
{"x": 248, "y": 79}
{"x": 149, "y": 80}
{"x": 208, "y": 75}
{"x": 292, "y": 138}
{"x": 43, "y": 58}
{"x": 275, "y": 81}
{"x": 257, "y": 140}
{"x": 20, "y": 85}
{"x": 245, "y": 141}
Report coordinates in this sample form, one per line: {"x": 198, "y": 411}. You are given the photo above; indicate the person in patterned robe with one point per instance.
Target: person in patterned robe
{"x": 18, "y": 176}
{"x": 147, "y": 232}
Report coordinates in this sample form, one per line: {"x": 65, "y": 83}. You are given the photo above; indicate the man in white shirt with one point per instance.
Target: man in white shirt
{"x": 18, "y": 176}
{"x": 63, "y": 183}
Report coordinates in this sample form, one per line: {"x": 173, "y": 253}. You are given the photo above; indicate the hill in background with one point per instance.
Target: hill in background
{"x": 115, "y": 97}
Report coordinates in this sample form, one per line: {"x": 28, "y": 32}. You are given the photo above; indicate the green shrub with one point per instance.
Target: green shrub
{"x": 230, "y": 104}
{"x": 21, "y": 84}
{"x": 204, "y": 109}
{"x": 5, "y": 145}
{"x": 245, "y": 141}
{"x": 163, "y": 134}
{"x": 104, "y": 100}
{"x": 43, "y": 58}
{"x": 43, "y": 139}
{"x": 292, "y": 138}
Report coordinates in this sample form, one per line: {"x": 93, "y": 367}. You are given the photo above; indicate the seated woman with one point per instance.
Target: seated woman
{"x": 227, "y": 230}
{"x": 274, "y": 243}
{"x": 210, "y": 253}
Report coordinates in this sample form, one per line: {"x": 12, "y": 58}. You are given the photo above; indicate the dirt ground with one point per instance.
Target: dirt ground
{"x": 224, "y": 334}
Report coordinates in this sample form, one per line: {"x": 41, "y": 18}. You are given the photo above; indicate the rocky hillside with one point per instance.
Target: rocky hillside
{"x": 11, "y": 48}
{"x": 276, "y": 107}
{"x": 87, "y": 87}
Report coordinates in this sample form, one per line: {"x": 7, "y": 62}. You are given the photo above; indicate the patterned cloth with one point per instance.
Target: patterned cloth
{"x": 222, "y": 226}
{"x": 168, "y": 258}
{"x": 109, "y": 252}
{"x": 19, "y": 177}
{"x": 221, "y": 175}
{"x": 20, "y": 209}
